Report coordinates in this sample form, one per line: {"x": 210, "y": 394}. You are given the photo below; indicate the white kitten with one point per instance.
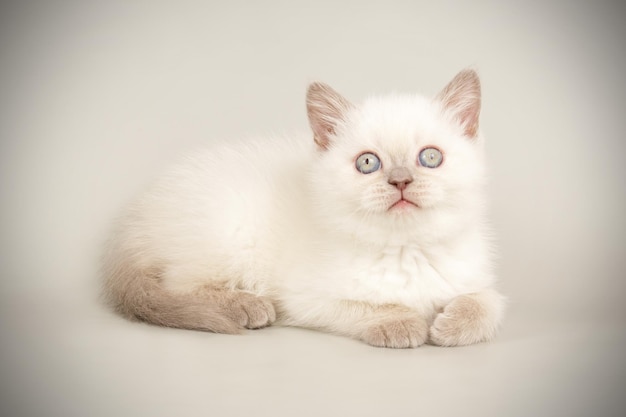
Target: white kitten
{"x": 374, "y": 230}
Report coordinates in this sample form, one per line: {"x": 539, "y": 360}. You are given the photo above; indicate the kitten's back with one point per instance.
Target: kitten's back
{"x": 212, "y": 222}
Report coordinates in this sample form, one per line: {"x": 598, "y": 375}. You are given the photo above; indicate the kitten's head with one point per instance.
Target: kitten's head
{"x": 398, "y": 166}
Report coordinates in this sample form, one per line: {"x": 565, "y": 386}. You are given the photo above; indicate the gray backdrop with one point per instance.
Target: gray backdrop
{"x": 98, "y": 97}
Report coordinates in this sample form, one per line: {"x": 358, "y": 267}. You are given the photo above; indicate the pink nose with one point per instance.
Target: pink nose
{"x": 400, "y": 178}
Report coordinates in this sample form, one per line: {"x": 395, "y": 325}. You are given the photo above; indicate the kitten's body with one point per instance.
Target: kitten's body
{"x": 236, "y": 233}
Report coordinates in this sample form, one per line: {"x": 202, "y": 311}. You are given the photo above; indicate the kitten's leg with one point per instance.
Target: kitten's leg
{"x": 138, "y": 294}
{"x": 468, "y": 319}
{"x": 211, "y": 307}
{"x": 245, "y": 309}
{"x": 387, "y": 325}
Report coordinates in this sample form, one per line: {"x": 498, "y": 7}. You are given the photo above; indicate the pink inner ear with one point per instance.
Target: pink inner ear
{"x": 461, "y": 98}
{"x": 325, "y": 108}
{"x": 321, "y": 133}
{"x": 469, "y": 119}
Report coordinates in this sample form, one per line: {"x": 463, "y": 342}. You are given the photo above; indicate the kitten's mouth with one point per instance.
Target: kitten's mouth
{"x": 403, "y": 204}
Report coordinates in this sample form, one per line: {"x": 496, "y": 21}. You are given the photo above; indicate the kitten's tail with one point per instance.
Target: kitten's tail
{"x": 137, "y": 294}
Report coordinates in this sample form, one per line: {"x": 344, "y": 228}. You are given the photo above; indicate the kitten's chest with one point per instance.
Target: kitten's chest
{"x": 398, "y": 274}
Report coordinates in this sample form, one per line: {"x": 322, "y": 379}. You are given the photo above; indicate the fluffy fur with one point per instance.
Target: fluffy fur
{"x": 289, "y": 229}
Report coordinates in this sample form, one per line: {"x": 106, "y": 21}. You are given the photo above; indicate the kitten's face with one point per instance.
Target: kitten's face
{"x": 398, "y": 163}
{"x": 395, "y": 158}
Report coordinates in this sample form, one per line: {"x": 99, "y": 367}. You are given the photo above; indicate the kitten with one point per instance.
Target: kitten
{"x": 374, "y": 230}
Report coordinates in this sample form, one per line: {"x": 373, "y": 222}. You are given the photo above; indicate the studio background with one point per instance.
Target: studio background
{"x": 97, "y": 98}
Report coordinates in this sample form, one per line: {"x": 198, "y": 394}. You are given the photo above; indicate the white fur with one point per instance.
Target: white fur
{"x": 281, "y": 218}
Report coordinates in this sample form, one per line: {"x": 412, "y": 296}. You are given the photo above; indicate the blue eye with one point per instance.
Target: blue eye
{"x": 430, "y": 157}
{"x": 367, "y": 163}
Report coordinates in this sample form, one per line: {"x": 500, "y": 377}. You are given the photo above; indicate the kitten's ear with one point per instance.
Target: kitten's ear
{"x": 461, "y": 99}
{"x": 325, "y": 108}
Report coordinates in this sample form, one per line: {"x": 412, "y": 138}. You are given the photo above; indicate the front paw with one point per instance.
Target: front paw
{"x": 467, "y": 319}
{"x": 398, "y": 331}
